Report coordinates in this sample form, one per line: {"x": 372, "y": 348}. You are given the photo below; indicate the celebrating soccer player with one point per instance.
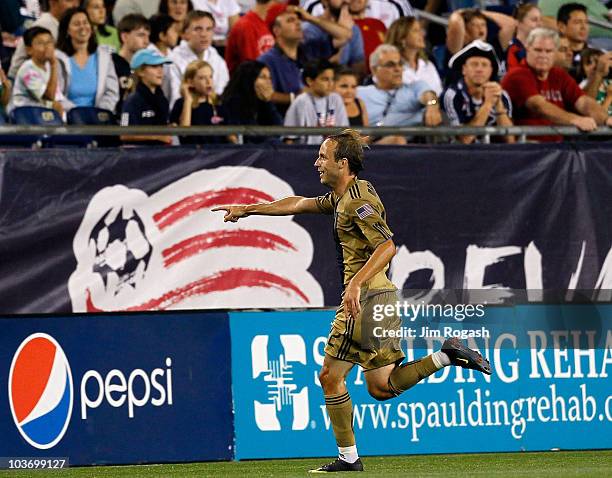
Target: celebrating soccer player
{"x": 364, "y": 241}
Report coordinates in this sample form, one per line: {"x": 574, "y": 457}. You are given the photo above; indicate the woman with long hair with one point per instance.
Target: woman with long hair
{"x": 177, "y": 9}
{"x": 88, "y": 76}
{"x": 247, "y": 96}
{"x": 407, "y": 34}
{"x": 105, "y": 34}
{"x": 528, "y": 16}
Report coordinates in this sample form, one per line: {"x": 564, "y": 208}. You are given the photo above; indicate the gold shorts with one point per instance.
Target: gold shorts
{"x": 352, "y": 339}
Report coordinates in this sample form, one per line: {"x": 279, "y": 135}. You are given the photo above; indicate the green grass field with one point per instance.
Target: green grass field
{"x": 589, "y": 464}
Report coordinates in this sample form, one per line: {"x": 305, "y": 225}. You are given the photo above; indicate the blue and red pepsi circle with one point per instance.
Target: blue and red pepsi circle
{"x": 40, "y": 391}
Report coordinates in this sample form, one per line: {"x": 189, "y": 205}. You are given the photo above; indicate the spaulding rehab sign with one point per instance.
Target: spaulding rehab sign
{"x": 551, "y": 366}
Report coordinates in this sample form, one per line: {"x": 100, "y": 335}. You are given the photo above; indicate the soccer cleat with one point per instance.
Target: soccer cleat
{"x": 464, "y": 357}
{"x": 339, "y": 465}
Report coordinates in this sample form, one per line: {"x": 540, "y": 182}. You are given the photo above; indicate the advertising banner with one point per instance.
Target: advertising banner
{"x": 550, "y": 387}
{"x": 132, "y": 229}
{"x": 116, "y": 389}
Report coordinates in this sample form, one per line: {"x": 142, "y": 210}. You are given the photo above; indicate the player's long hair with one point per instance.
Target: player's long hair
{"x": 349, "y": 145}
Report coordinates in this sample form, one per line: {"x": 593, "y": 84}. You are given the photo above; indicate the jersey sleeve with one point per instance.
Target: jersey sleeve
{"x": 325, "y": 203}
{"x": 368, "y": 217}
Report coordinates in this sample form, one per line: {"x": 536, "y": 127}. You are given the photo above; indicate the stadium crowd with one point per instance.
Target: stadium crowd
{"x": 308, "y": 63}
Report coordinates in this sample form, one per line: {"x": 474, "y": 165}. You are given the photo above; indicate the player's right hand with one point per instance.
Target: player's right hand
{"x": 232, "y": 213}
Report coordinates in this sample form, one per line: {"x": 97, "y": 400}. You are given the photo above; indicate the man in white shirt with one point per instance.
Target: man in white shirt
{"x": 196, "y": 45}
{"x": 225, "y": 12}
{"x": 387, "y": 11}
{"x": 48, "y": 20}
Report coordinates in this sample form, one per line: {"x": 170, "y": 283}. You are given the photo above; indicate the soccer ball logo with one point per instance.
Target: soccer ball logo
{"x": 122, "y": 248}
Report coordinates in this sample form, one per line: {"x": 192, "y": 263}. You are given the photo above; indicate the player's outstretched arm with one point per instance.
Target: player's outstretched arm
{"x": 283, "y": 207}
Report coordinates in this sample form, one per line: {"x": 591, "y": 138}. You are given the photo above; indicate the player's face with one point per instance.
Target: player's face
{"x": 199, "y": 34}
{"x": 541, "y": 55}
{"x": 326, "y": 164}
{"x": 477, "y": 71}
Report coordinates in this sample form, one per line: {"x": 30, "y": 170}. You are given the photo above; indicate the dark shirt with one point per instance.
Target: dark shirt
{"x": 124, "y": 75}
{"x": 265, "y": 114}
{"x": 461, "y": 107}
{"x": 204, "y": 114}
{"x": 142, "y": 107}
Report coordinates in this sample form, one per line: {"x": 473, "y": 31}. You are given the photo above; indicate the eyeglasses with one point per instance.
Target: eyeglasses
{"x": 392, "y": 64}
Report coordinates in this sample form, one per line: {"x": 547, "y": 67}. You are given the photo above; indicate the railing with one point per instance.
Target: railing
{"x": 486, "y": 132}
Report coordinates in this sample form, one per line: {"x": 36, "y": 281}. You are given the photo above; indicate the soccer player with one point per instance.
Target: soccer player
{"x": 364, "y": 239}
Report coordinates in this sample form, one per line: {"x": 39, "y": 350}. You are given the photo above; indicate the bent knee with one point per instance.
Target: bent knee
{"x": 379, "y": 393}
{"x": 330, "y": 382}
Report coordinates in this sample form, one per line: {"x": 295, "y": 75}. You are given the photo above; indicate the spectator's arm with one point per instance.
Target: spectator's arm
{"x": 506, "y": 24}
{"x": 598, "y": 74}
{"x": 455, "y": 34}
{"x": 280, "y": 98}
{"x": 231, "y": 20}
{"x": 503, "y": 113}
{"x": 364, "y": 112}
{"x": 538, "y": 105}
{"x": 587, "y": 106}
{"x": 6, "y": 88}
{"x": 19, "y": 56}
{"x": 479, "y": 119}
{"x": 51, "y": 89}
{"x": 608, "y": 100}
{"x": 340, "y": 33}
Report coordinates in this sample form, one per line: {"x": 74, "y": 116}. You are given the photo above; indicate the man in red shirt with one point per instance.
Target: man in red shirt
{"x": 544, "y": 94}
{"x": 250, "y": 36}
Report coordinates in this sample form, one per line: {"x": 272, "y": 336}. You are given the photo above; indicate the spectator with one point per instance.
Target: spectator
{"x": 198, "y": 104}
{"x": 49, "y": 20}
{"x": 477, "y": 99}
{"x": 387, "y": 11}
{"x": 196, "y": 45}
{"x": 597, "y": 84}
{"x": 146, "y": 8}
{"x": 5, "y": 92}
{"x": 372, "y": 29}
{"x": 250, "y": 36}
{"x": 134, "y": 36}
{"x": 36, "y": 83}
{"x": 599, "y": 37}
{"x": 564, "y": 56}
{"x": 105, "y": 34}
{"x": 528, "y": 17}
{"x": 286, "y": 58}
{"x": 247, "y": 98}
{"x": 465, "y": 26}
{"x": 390, "y": 102}
{"x": 407, "y": 35}
{"x": 225, "y": 12}
{"x": 164, "y": 35}
{"x": 573, "y": 24}
{"x": 177, "y": 9}
{"x": 319, "y": 106}
{"x": 164, "y": 38}
{"x": 88, "y": 77}
{"x": 543, "y": 94}
{"x": 146, "y": 105}
{"x": 346, "y": 86}
{"x": 334, "y": 35}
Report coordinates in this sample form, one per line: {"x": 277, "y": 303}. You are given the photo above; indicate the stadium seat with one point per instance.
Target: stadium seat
{"x": 35, "y": 116}
{"x": 89, "y": 115}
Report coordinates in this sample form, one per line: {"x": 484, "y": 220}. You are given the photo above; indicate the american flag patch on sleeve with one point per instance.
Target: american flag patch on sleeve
{"x": 364, "y": 211}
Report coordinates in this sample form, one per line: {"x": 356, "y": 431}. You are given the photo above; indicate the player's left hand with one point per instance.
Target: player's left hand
{"x": 351, "y": 305}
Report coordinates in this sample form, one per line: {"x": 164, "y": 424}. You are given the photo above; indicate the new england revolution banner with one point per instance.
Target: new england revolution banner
{"x": 131, "y": 230}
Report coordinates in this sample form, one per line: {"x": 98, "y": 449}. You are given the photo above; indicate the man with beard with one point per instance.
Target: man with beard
{"x": 343, "y": 45}
{"x": 477, "y": 99}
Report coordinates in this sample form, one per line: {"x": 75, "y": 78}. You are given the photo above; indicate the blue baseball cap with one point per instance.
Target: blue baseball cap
{"x": 147, "y": 57}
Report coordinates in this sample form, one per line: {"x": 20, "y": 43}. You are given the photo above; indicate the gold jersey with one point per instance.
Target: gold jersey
{"x": 359, "y": 227}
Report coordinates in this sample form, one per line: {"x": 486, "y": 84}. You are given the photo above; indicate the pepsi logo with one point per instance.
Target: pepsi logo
{"x": 41, "y": 391}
